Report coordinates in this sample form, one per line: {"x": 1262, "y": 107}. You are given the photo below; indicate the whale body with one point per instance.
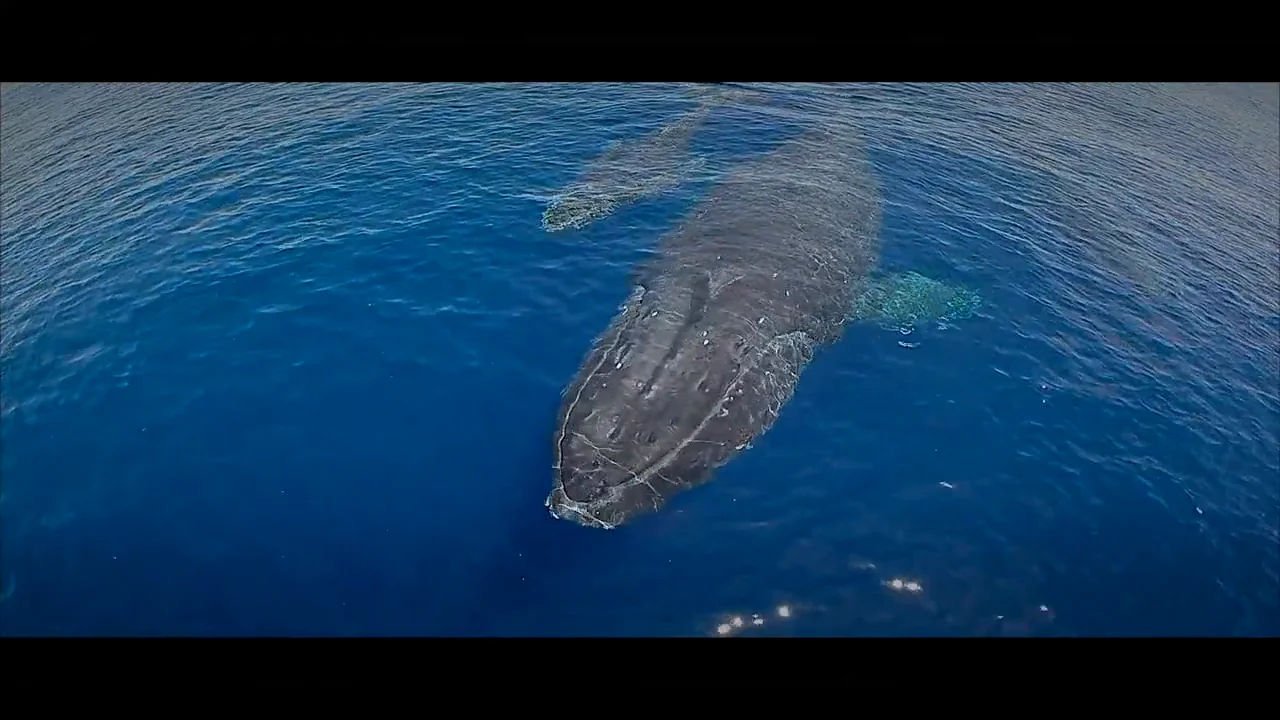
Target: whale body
{"x": 722, "y": 321}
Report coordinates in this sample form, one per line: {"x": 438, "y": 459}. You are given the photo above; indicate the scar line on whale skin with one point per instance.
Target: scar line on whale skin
{"x": 578, "y": 509}
{"x": 614, "y": 492}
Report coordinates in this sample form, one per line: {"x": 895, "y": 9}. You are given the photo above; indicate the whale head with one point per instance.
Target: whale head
{"x": 576, "y": 210}
{"x": 643, "y": 420}
{"x": 606, "y": 485}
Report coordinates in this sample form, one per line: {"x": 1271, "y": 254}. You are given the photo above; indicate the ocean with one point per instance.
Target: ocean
{"x": 285, "y": 360}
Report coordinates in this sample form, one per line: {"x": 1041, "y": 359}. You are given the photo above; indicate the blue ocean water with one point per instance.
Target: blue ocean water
{"x": 285, "y": 360}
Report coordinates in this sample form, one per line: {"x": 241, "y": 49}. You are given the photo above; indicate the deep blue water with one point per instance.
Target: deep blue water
{"x": 285, "y": 360}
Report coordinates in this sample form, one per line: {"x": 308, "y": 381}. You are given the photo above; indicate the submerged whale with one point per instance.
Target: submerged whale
{"x": 708, "y": 348}
{"x": 631, "y": 170}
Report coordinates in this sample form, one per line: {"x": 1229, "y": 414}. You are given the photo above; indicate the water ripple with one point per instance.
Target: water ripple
{"x": 270, "y": 327}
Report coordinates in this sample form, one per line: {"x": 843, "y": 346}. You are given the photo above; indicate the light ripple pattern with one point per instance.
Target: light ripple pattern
{"x": 284, "y": 359}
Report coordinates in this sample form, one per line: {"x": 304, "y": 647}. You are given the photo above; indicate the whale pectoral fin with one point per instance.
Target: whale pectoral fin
{"x": 900, "y": 301}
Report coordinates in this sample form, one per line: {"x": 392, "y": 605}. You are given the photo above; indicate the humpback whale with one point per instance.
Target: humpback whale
{"x": 631, "y": 170}
{"x": 723, "y": 319}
